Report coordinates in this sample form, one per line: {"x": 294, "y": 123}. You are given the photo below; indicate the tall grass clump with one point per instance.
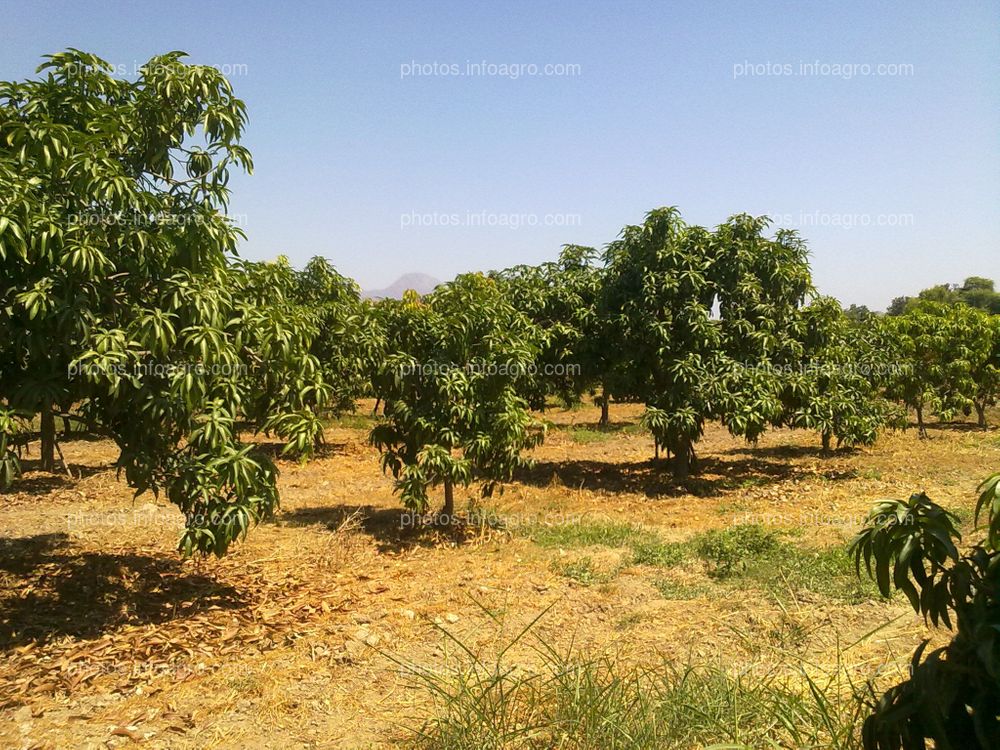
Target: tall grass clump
{"x": 610, "y": 704}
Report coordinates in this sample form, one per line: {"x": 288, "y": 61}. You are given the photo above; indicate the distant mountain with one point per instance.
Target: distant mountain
{"x": 421, "y": 283}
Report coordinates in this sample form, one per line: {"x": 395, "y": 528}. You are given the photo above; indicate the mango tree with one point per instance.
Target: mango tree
{"x": 701, "y": 319}
{"x": 116, "y": 299}
{"x": 942, "y": 348}
{"x": 458, "y": 360}
{"x": 349, "y": 341}
{"x": 560, "y": 299}
{"x": 835, "y": 389}
{"x": 986, "y": 368}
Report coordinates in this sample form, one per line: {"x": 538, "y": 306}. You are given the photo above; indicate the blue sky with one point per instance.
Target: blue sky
{"x": 892, "y": 174}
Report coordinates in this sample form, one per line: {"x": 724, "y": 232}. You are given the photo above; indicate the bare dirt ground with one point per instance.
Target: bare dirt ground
{"x": 307, "y": 634}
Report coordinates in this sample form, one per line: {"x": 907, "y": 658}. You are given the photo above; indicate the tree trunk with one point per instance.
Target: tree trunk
{"x": 981, "y": 413}
{"x": 603, "y": 424}
{"x": 827, "y": 437}
{"x": 375, "y": 410}
{"x": 656, "y": 449}
{"x": 682, "y": 462}
{"x": 449, "y": 500}
{"x": 920, "y": 422}
{"x": 47, "y": 452}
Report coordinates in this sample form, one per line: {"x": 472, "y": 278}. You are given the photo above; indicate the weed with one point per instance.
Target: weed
{"x": 604, "y": 704}
{"x": 731, "y": 550}
{"x": 673, "y": 590}
{"x": 584, "y": 571}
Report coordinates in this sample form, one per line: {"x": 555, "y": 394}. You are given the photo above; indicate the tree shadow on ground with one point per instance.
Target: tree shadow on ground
{"x": 45, "y": 483}
{"x": 273, "y": 448}
{"x": 790, "y": 451}
{"x": 392, "y": 529}
{"x": 654, "y": 479}
{"x": 49, "y": 590}
{"x": 952, "y": 427}
{"x": 611, "y": 427}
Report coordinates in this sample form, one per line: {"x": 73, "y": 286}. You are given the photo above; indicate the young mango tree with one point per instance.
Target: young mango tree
{"x": 659, "y": 295}
{"x": 986, "y": 368}
{"x": 560, "y": 299}
{"x": 941, "y": 348}
{"x": 350, "y": 341}
{"x": 835, "y": 390}
{"x": 459, "y": 359}
{"x": 283, "y": 385}
{"x": 116, "y": 293}
{"x": 703, "y": 320}
{"x": 762, "y": 284}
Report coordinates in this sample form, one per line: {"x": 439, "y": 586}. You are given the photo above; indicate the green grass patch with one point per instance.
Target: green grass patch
{"x": 736, "y": 555}
{"x": 752, "y": 553}
{"x": 673, "y": 590}
{"x": 584, "y": 571}
{"x": 569, "y": 535}
{"x": 658, "y": 553}
{"x": 646, "y": 547}
{"x": 352, "y": 421}
{"x": 604, "y": 704}
{"x": 585, "y": 436}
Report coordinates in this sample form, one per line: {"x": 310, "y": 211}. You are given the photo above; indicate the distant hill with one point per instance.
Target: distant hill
{"x": 421, "y": 283}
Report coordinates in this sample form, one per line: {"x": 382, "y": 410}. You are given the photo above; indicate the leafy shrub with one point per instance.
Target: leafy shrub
{"x": 729, "y": 550}
{"x": 952, "y": 696}
{"x": 660, "y": 554}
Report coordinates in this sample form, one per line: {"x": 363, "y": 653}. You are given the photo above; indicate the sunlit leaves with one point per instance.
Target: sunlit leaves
{"x": 117, "y": 282}
{"x": 701, "y": 323}
{"x": 950, "y": 356}
{"x": 907, "y": 546}
{"x": 952, "y": 693}
{"x": 453, "y": 414}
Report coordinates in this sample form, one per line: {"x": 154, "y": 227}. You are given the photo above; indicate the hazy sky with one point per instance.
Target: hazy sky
{"x": 874, "y": 128}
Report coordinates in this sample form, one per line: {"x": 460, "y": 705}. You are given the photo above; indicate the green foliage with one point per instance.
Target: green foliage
{"x": 560, "y": 298}
{"x": 953, "y": 694}
{"x": 318, "y": 338}
{"x": 989, "y": 501}
{"x": 120, "y": 298}
{"x": 11, "y": 424}
{"x": 665, "y": 281}
{"x": 976, "y": 292}
{"x": 859, "y": 314}
{"x": 837, "y": 389}
{"x": 453, "y": 413}
{"x": 950, "y": 359}
{"x": 730, "y": 550}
